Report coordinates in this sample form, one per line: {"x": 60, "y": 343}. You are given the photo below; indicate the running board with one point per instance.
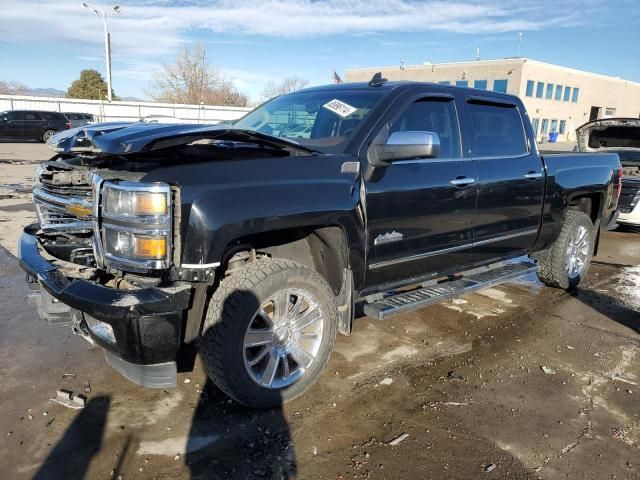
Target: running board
{"x": 425, "y": 296}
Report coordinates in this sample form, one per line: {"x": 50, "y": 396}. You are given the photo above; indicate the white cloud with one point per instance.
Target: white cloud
{"x": 157, "y": 27}
{"x": 150, "y": 31}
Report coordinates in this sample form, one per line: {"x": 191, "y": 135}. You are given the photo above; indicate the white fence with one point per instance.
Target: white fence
{"x": 122, "y": 111}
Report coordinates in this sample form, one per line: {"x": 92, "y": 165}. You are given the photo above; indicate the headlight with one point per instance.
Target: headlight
{"x": 134, "y": 246}
{"x": 134, "y": 203}
{"x": 136, "y": 224}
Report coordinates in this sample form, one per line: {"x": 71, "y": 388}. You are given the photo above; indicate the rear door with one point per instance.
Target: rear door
{"x": 510, "y": 179}
{"x": 420, "y": 211}
{"x": 32, "y": 124}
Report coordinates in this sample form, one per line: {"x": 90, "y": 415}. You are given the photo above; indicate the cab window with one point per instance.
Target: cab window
{"x": 498, "y": 130}
{"x": 436, "y": 115}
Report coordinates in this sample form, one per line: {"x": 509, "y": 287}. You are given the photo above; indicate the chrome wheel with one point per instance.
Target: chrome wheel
{"x": 578, "y": 252}
{"x": 283, "y": 338}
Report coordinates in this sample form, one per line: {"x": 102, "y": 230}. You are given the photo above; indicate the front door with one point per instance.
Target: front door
{"x": 420, "y": 212}
{"x": 11, "y": 125}
{"x": 510, "y": 180}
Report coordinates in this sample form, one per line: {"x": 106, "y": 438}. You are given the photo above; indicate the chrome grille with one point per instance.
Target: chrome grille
{"x": 56, "y": 211}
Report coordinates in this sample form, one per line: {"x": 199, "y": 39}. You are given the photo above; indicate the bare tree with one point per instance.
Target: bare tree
{"x": 287, "y": 85}
{"x": 191, "y": 79}
{"x": 12, "y": 87}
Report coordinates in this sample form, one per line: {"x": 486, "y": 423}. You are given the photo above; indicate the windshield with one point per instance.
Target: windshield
{"x": 322, "y": 120}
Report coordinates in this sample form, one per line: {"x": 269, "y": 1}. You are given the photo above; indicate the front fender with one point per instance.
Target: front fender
{"x": 218, "y": 217}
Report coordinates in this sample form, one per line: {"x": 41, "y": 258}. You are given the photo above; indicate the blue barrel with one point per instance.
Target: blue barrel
{"x": 553, "y": 137}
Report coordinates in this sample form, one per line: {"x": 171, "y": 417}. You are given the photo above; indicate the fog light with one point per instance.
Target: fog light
{"x": 101, "y": 329}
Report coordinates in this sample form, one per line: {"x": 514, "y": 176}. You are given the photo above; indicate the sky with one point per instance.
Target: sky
{"x": 46, "y": 43}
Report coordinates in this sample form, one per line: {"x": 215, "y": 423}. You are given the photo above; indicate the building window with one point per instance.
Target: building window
{"x": 545, "y": 126}
{"x": 549, "y": 94}
{"x": 444, "y": 82}
{"x": 610, "y": 111}
{"x": 535, "y": 124}
{"x": 500, "y": 86}
{"x": 554, "y": 126}
{"x": 563, "y": 126}
{"x": 539, "y": 89}
{"x": 530, "y": 85}
{"x": 480, "y": 84}
{"x": 576, "y": 94}
{"x": 462, "y": 83}
{"x": 567, "y": 94}
{"x": 558, "y": 92}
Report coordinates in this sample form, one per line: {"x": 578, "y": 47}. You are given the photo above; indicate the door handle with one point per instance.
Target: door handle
{"x": 532, "y": 175}
{"x": 462, "y": 181}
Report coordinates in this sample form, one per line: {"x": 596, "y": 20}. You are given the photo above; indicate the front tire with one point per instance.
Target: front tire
{"x": 268, "y": 333}
{"x": 566, "y": 262}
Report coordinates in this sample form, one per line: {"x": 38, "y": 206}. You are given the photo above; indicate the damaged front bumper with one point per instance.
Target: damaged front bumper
{"x": 140, "y": 329}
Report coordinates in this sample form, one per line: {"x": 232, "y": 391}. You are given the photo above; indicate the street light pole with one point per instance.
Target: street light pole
{"x": 107, "y": 42}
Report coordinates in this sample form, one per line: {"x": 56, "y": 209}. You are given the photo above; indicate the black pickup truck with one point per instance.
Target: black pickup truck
{"x": 253, "y": 242}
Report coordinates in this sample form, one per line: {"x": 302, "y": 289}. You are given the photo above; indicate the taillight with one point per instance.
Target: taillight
{"x": 619, "y": 181}
{"x": 68, "y": 124}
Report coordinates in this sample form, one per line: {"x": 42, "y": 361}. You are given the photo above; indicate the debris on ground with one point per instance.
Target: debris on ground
{"x": 386, "y": 381}
{"x": 453, "y": 375}
{"x": 548, "y": 370}
{"x": 68, "y": 399}
{"x": 87, "y": 387}
{"x": 69, "y": 375}
{"x": 398, "y": 439}
{"x": 187, "y": 380}
{"x": 50, "y": 421}
{"x": 490, "y": 468}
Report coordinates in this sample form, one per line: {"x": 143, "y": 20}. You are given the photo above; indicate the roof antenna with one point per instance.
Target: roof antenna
{"x": 377, "y": 80}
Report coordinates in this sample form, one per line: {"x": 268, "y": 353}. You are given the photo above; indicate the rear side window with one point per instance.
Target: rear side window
{"x": 31, "y": 116}
{"x": 498, "y": 130}
{"x": 436, "y": 115}
{"x": 53, "y": 116}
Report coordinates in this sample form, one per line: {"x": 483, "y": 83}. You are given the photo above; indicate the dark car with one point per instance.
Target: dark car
{"x": 255, "y": 247}
{"x": 32, "y": 124}
{"x": 79, "y": 119}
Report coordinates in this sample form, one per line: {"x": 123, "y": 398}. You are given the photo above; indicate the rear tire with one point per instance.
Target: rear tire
{"x": 566, "y": 262}
{"x": 47, "y": 135}
{"x": 247, "y": 308}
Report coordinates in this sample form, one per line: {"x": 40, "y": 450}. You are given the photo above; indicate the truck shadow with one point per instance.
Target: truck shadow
{"x": 611, "y": 308}
{"x": 71, "y": 456}
{"x": 229, "y": 440}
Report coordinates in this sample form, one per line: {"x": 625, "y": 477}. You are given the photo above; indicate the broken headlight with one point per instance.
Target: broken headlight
{"x": 136, "y": 224}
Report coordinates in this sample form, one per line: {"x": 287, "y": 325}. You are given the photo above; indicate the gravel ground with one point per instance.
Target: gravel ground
{"x": 459, "y": 386}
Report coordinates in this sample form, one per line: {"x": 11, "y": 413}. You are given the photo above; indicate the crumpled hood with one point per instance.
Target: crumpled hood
{"x": 609, "y": 135}
{"x": 117, "y": 138}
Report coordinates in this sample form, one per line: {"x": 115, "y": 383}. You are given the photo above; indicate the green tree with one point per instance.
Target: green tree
{"x": 90, "y": 86}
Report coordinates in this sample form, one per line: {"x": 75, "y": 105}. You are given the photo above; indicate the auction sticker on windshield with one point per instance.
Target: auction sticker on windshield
{"x": 339, "y": 108}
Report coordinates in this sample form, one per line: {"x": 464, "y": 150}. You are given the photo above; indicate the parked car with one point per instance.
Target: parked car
{"x": 255, "y": 247}
{"x": 79, "y": 119}
{"x": 621, "y": 136}
{"x": 32, "y": 124}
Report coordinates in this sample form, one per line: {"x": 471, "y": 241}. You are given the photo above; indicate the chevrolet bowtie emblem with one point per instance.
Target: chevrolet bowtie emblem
{"x": 80, "y": 211}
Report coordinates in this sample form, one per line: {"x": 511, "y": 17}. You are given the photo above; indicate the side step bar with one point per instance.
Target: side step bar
{"x": 422, "y": 297}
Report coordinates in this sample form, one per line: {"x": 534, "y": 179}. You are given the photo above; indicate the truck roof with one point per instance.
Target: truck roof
{"x": 404, "y": 85}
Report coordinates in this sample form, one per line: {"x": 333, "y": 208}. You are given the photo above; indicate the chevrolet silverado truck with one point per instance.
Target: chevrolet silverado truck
{"x": 253, "y": 248}
{"x": 621, "y": 136}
